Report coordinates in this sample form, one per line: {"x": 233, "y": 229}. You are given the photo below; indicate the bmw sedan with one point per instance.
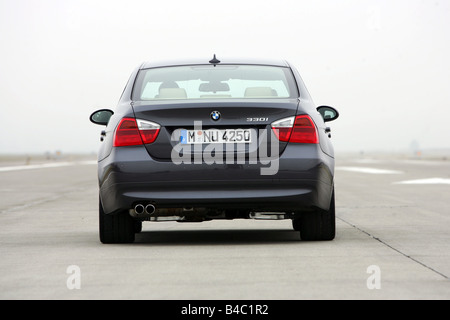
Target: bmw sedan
{"x": 193, "y": 141}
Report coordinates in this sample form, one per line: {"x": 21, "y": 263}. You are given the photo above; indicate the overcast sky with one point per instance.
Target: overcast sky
{"x": 385, "y": 65}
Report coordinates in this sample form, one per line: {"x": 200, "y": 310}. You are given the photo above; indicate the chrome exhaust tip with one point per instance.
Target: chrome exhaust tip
{"x": 139, "y": 209}
{"x": 150, "y": 209}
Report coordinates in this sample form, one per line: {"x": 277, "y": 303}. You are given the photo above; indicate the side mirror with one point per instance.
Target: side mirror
{"x": 101, "y": 117}
{"x": 328, "y": 113}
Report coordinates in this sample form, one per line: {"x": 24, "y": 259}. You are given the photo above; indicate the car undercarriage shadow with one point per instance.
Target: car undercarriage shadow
{"x": 217, "y": 237}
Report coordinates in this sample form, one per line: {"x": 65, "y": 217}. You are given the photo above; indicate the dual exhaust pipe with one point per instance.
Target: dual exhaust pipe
{"x": 145, "y": 211}
{"x": 140, "y": 210}
{"x": 148, "y": 209}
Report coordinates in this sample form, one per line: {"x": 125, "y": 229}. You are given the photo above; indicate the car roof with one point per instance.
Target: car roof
{"x": 205, "y": 61}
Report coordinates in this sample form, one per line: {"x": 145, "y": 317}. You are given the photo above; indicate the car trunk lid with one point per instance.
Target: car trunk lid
{"x": 211, "y": 118}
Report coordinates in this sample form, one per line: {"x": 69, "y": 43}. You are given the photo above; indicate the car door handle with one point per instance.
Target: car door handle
{"x": 103, "y": 135}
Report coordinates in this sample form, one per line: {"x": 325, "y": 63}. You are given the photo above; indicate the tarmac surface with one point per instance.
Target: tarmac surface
{"x": 393, "y": 241}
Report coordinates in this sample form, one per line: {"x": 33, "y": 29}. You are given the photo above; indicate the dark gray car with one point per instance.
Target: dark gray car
{"x": 192, "y": 141}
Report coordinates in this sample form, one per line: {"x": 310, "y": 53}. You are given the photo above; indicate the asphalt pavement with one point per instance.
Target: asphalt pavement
{"x": 393, "y": 241}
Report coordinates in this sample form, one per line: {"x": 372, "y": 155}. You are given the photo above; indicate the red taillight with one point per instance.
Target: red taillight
{"x": 300, "y": 129}
{"x": 283, "y": 128}
{"x": 149, "y": 130}
{"x": 127, "y": 133}
{"x": 149, "y": 136}
{"x": 283, "y": 134}
{"x": 304, "y": 131}
{"x": 132, "y": 132}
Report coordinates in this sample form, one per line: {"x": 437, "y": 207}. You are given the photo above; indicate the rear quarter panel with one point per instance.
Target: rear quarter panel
{"x": 123, "y": 109}
{"x": 307, "y": 106}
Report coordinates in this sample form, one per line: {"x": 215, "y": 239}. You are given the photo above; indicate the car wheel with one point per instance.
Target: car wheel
{"x": 296, "y": 224}
{"x": 137, "y": 226}
{"x": 319, "y": 225}
{"x": 115, "y": 228}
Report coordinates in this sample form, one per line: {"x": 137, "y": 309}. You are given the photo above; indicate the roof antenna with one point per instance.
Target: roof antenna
{"x": 214, "y": 60}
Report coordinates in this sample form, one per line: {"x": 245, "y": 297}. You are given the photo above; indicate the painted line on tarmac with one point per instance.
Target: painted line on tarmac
{"x": 425, "y": 181}
{"x": 46, "y": 165}
{"x": 369, "y": 170}
{"x": 385, "y": 243}
{"x": 44, "y": 200}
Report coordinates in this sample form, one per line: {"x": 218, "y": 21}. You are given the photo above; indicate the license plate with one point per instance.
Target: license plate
{"x": 215, "y": 136}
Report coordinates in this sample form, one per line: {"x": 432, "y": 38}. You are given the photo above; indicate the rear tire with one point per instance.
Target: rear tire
{"x": 115, "y": 228}
{"x": 319, "y": 225}
{"x": 137, "y": 226}
{"x": 296, "y": 224}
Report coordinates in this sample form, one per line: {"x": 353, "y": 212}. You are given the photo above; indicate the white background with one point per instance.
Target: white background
{"x": 385, "y": 65}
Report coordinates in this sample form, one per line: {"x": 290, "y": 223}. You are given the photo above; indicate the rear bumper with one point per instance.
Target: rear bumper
{"x": 304, "y": 179}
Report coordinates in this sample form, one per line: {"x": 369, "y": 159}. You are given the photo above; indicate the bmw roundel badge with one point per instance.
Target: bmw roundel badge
{"x": 215, "y": 115}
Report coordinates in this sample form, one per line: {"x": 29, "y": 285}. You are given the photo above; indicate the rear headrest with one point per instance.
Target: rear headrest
{"x": 172, "y": 93}
{"x": 213, "y": 87}
{"x": 260, "y": 92}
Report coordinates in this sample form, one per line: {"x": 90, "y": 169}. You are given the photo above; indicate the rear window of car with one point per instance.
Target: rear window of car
{"x": 214, "y": 82}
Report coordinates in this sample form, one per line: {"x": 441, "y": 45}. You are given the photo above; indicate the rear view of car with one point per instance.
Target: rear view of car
{"x": 193, "y": 141}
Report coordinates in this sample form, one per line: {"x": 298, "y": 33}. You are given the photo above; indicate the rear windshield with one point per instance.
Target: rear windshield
{"x": 209, "y": 82}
